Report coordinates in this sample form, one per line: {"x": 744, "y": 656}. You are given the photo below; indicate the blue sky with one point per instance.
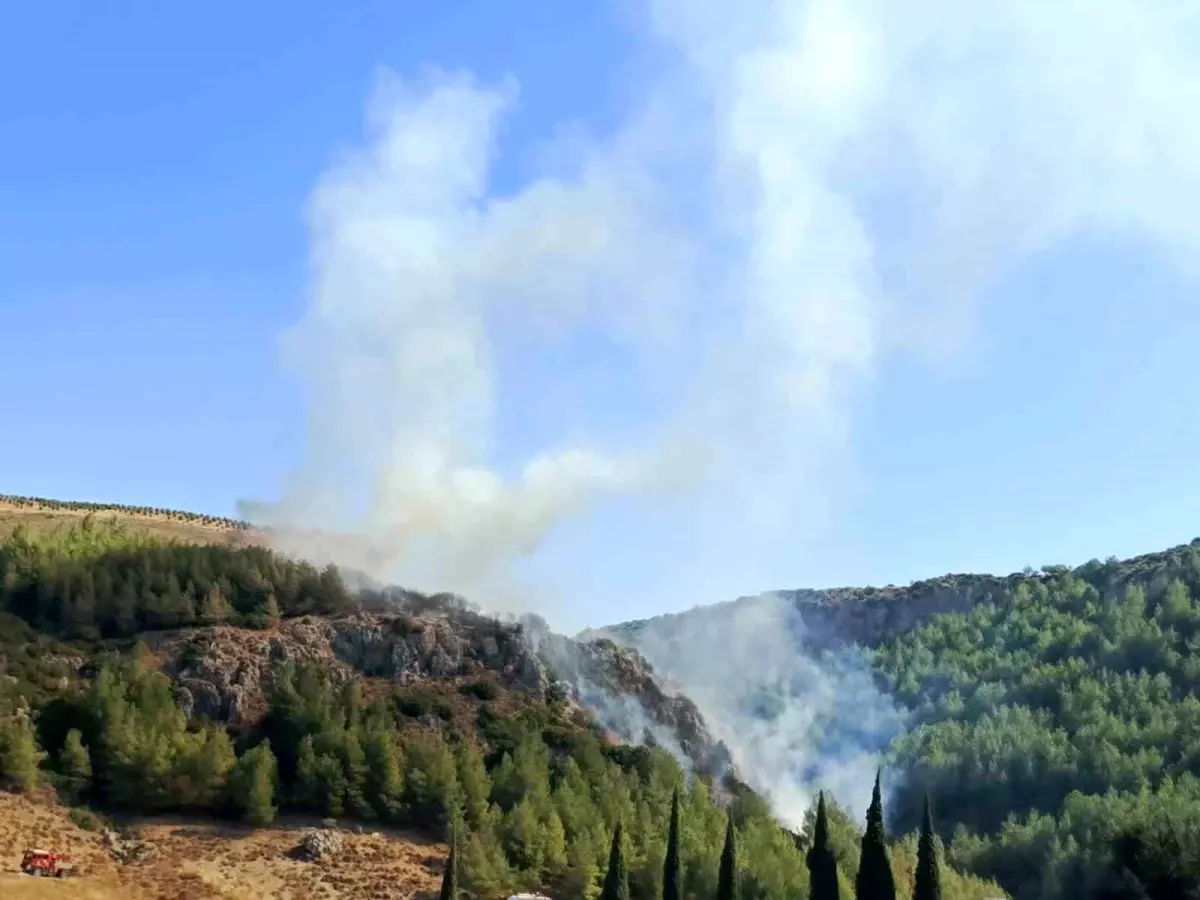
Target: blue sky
{"x": 1004, "y": 384}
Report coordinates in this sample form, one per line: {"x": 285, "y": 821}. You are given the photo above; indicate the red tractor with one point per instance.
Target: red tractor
{"x": 46, "y": 864}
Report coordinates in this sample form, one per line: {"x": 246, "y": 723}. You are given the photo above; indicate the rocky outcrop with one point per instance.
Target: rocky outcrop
{"x": 224, "y": 673}
{"x": 622, "y": 690}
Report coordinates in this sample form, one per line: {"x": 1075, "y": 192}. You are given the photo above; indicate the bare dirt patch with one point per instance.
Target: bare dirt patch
{"x": 199, "y": 859}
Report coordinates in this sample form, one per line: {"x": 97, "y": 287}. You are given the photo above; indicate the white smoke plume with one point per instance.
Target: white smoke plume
{"x": 794, "y": 720}
{"x": 808, "y": 186}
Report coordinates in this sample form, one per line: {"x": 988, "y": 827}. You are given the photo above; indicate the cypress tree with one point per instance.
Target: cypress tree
{"x": 928, "y": 884}
{"x": 875, "y": 880}
{"x": 822, "y": 864}
{"x": 616, "y": 880}
{"x": 727, "y": 880}
{"x": 450, "y": 876}
{"x": 672, "y": 877}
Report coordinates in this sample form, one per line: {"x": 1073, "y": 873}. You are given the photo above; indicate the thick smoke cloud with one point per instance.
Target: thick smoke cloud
{"x": 811, "y": 182}
{"x": 806, "y": 188}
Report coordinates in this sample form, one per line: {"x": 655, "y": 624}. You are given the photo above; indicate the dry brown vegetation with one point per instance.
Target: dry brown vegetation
{"x": 206, "y": 860}
{"x": 47, "y": 515}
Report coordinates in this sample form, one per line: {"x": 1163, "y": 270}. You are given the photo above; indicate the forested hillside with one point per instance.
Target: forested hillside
{"x": 1052, "y": 715}
{"x": 105, "y": 626}
{"x": 95, "y": 580}
{"x": 1052, "y": 723}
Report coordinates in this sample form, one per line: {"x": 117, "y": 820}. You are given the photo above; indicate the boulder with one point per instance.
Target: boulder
{"x": 321, "y": 844}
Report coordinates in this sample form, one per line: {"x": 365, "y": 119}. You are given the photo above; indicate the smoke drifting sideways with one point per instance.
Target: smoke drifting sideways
{"x": 797, "y": 715}
{"x": 804, "y": 189}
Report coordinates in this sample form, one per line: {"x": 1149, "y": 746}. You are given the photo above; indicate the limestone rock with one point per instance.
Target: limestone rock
{"x": 321, "y": 844}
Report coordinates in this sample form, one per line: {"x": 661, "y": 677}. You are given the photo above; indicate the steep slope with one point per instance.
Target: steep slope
{"x": 389, "y": 707}
{"x": 1054, "y": 716}
{"x": 169, "y": 678}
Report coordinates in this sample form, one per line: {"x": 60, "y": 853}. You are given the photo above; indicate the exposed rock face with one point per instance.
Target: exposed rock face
{"x": 224, "y": 673}
{"x": 620, "y": 686}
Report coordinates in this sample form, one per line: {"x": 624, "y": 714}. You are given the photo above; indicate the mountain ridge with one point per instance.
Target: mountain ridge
{"x": 873, "y": 614}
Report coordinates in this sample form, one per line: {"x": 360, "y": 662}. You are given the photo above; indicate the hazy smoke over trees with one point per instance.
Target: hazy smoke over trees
{"x": 686, "y": 309}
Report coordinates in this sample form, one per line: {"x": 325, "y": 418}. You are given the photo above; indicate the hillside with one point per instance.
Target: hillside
{"x": 1052, "y": 715}
{"x": 40, "y": 515}
{"x": 212, "y": 695}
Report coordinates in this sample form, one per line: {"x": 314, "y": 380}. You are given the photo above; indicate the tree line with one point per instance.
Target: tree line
{"x": 102, "y": 580}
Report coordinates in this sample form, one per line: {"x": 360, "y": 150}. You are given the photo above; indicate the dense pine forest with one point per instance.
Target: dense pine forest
{"x": 1061, "y": 726}
{"x": 1052, "y": 741}
{"x": 100, "y": 580}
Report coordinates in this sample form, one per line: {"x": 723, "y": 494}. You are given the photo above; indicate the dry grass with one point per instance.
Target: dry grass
{"x": 206, "y": 860}
{"x": 195, "y": 531}
{"x": 19, "y": 887}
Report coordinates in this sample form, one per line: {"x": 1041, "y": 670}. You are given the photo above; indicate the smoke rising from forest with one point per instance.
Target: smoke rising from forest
{"x": 804, "y": 189}
{"x": 778, "y": 699}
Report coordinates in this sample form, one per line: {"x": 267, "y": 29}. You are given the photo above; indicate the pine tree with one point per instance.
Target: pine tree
{"x": 616, "y": 879}
{"x": 83, "y": 608}
{"x": 214, "y": 608}
{"x": 875, "y": 880}
{"x": 126, "y": 603}
{"x": 555, "y": 839}
{"x": 485, "y": 869}
{"x": 474, "y": 785}
{"x": 200, "y": 769}
{"x": 19, "y": 755}
{"x": 450, "y": 877}
{"x": 928, "y": 885}
{"x": 384, "y": 777}
{"x": 525, "y": 838}
{"x": 430, "y": 779}
{"x": 727, "y": 879}
{"x": 672, "y": 876}
{"x": 75, "y": 764}
{"x": 307, "y": 787}
{"x": 582, "y": 867}
{"x": 252, "y": 785}
{"x": 822, "y": 864}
